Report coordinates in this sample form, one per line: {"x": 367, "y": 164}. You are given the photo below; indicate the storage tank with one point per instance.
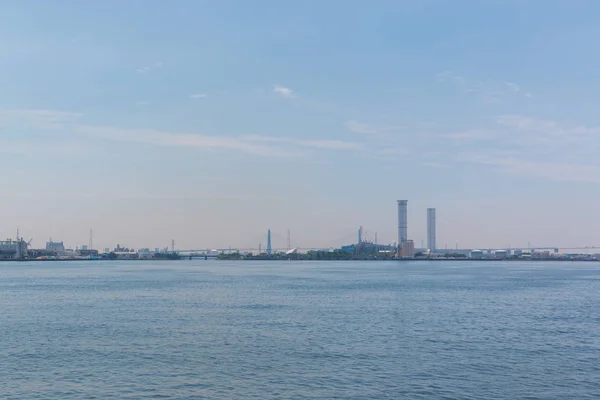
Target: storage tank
{"x": 476, "y": 254}
{"x": 501, "y": 253}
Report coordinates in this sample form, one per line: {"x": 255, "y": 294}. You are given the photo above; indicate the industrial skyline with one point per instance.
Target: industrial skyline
{"x": 19, "y": 247}
{"x": 363, "y": 249}
{"x": 403, "y": 237}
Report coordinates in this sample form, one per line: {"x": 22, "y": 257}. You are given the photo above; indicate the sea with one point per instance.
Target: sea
{"x": 299, "y": 330}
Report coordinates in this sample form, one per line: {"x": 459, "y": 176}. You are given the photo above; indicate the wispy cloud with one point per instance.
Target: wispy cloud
{"x": 393, "y": 151}
{"x": 514, "y": 144}
{"x": 512, "y": 87}
{"x": 489, "y": 92}
{"x": 432, "y": 164}
{"x": 284, "y": 91}
{"x": 188, "y": 140}
{"x": 470, "y": 135}
{"x": 197, "y": 96}
{"x": 328, "y": 144}
{"x": 27, "y": 148}
{"x": 69, "y": 195}
{"x": 449, "y": 76}
{"x": 45, "y": 119}
{"x": 184, "y": 196}
{"x": 537, "y": 137}
{"x": 528, "y": 131}
{"x": 572, "y": 172}
{"x": 252, "y": 144}
{"x": 317, "y": 144}
{"x": 68, "y": 123}
{"x": 388, "y": 154}
{"x": 545, "y": 127}
{"x": 359, "y": 127}
{"x": 371, "y": 129}
{"x": 537, "y": 148}
{"x": 149, "y": 68}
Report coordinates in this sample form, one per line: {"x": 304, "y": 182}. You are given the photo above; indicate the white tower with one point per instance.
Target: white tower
{"x": 431, "y": 244}
{"x": 402, "y": 221}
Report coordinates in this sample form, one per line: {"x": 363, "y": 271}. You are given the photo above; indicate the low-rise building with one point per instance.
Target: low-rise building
{"x": 126, "y": 255}
{"x": 407, "y": 249}
{"x": 88, "y": 252}
{"x": 55, "y": 247}
{"x": 145, "y": 254}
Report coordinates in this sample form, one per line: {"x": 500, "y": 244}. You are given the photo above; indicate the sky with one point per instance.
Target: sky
{"x": 208, "y": 122}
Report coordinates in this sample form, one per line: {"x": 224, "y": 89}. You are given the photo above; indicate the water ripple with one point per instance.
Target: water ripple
{"x": 218, "y": 330}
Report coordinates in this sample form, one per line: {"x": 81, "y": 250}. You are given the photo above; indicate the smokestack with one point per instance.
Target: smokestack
{"x": 431, "y": 239}
{"x": 269, "y": 249}
{"x": 402, "y": 221}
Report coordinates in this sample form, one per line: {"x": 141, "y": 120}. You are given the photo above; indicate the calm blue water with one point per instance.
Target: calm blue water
{"x": 309, "y": 330}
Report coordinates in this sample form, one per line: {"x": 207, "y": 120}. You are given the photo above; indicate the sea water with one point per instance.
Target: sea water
{"x": 299, "y": 330}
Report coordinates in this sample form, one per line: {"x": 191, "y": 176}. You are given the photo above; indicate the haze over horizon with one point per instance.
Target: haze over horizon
{"x": 209, "y": 122}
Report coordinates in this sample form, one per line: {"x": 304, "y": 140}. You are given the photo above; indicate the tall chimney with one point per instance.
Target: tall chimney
{"x": 402, "y": 221}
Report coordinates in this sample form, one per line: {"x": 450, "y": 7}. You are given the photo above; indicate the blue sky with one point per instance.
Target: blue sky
{"x": 211, "y": 121}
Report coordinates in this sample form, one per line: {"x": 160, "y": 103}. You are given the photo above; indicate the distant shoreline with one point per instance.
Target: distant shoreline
{"x": 89, "y": 259}
{"x": 411, "y": 259}
{"x": 304, "y": 259}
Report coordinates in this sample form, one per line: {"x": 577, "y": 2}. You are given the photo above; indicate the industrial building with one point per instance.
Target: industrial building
{"x": 431, "y": 235}
{"x": 407, "y": 249}
{"x": 55, "y": 247}
{"x": 367, "y": 248}
{"x": 87, "y": 252}
{"x": 477, "y": 254}
{"x": 13, "y": 249}
{"x": 126, "y": 255}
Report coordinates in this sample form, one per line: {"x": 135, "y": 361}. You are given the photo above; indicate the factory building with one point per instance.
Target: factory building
{"x": 431, "y": 239}
{"x": 126, "y": 255}
{"x": 407, "y": 249}
{"x": 367, "y": 248}
{"x": 13, "y": 249}
{"x": 85, "y": 252}
{"x": 55, "y": 247}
